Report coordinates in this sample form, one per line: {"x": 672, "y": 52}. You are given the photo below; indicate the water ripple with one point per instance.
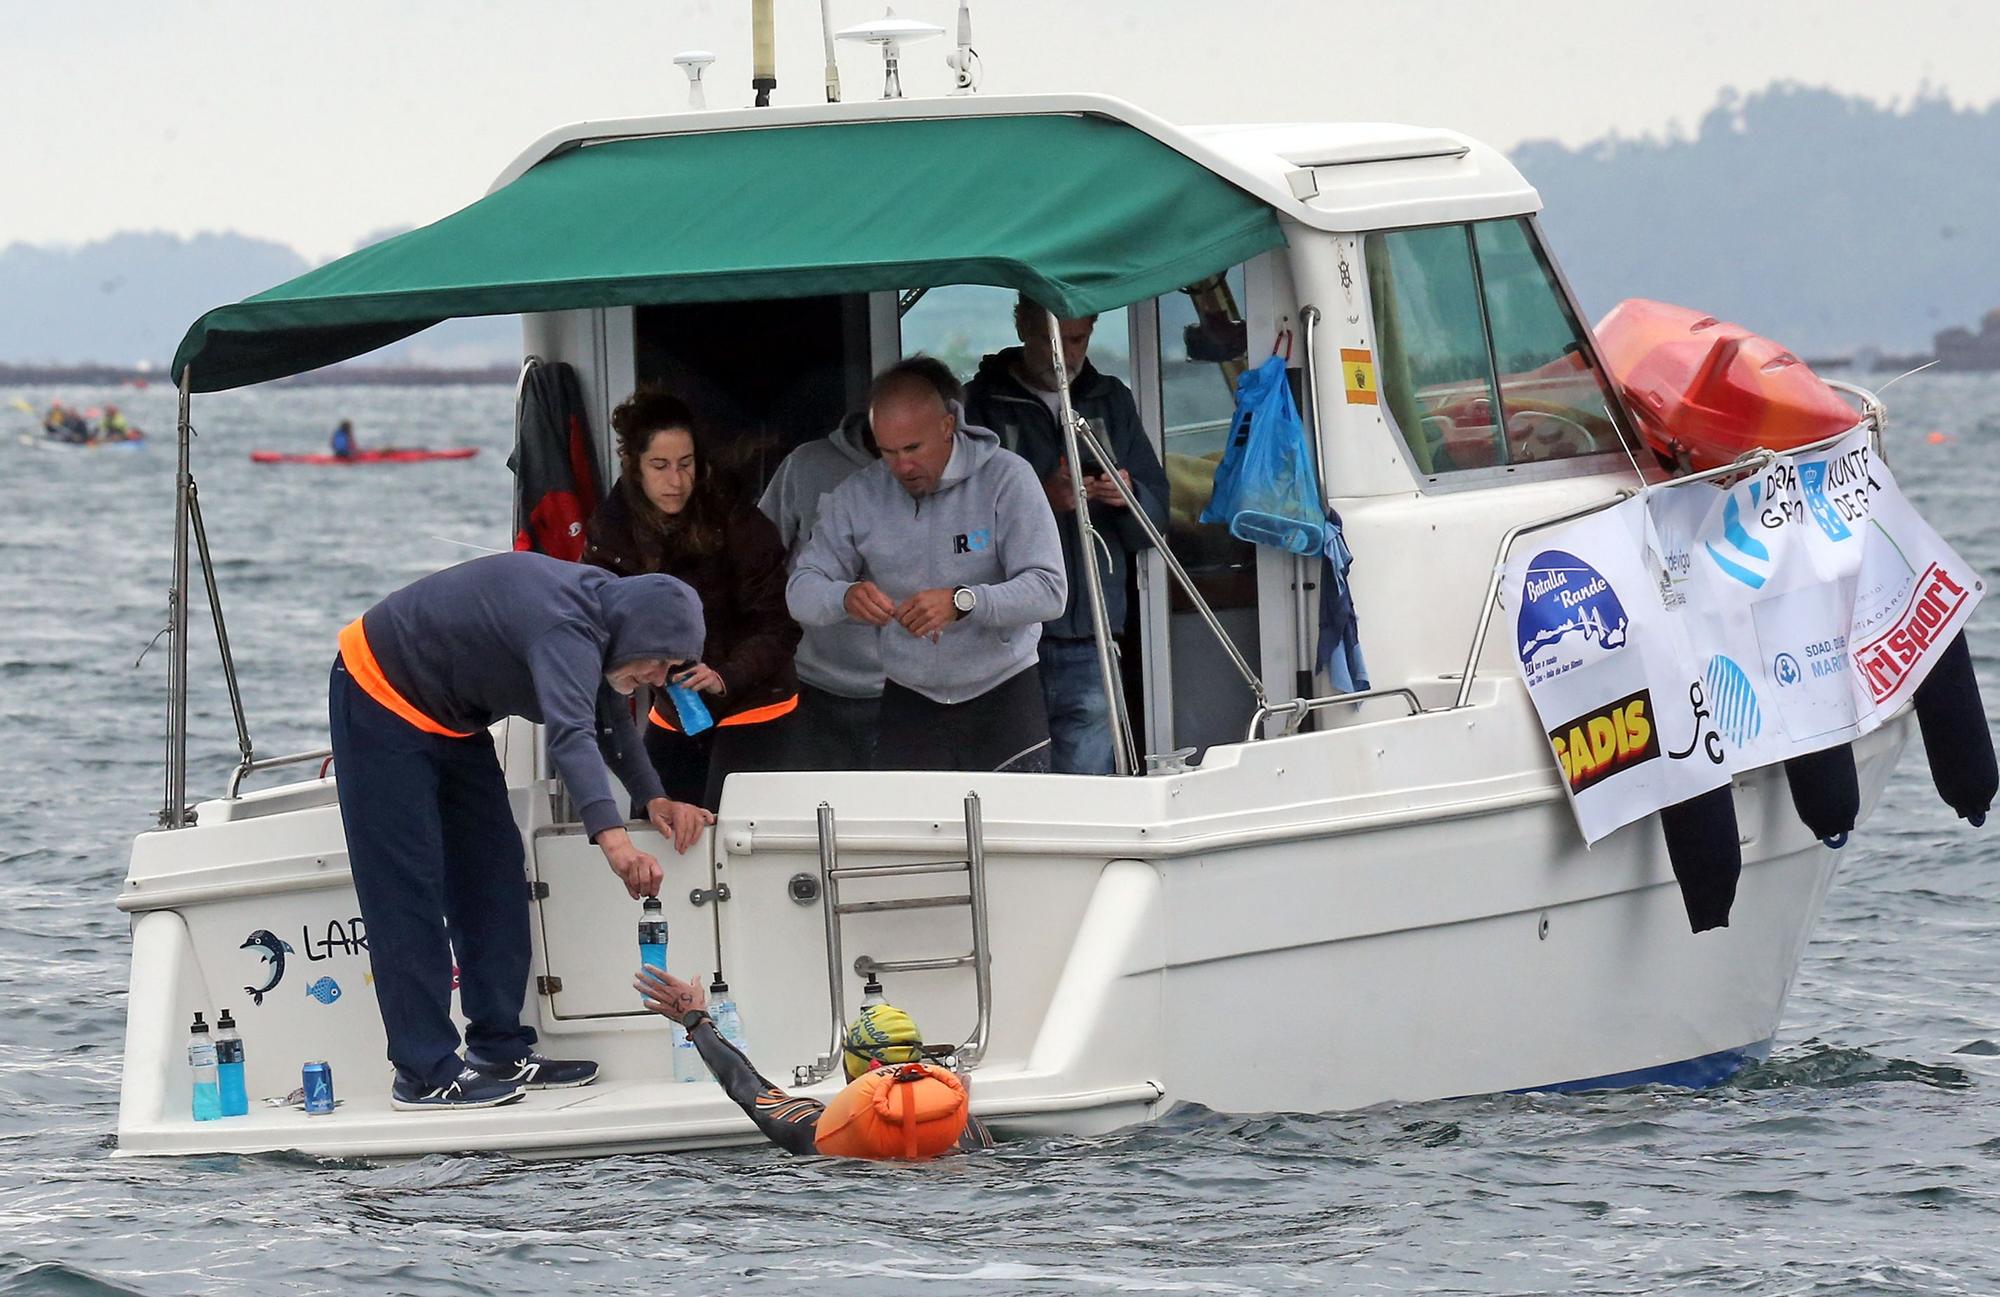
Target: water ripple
{"x": 1859, "y": 1159}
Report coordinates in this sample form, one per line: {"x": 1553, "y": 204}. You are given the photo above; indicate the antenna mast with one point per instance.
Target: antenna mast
{"x": 832, "y": 66}
{"x": 764, "y": 59}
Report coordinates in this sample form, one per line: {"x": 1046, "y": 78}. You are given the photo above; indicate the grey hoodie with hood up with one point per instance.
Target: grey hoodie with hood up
{"x": 987, "y": 526}
{"x": 532, "y": 636}
{"x": 841, "y": 659}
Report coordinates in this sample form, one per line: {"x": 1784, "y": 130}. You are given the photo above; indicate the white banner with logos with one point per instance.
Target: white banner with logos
{"x": 1697, "y": 631}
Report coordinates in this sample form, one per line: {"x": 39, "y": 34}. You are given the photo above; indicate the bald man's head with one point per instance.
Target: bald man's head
{"x": 913, "y": 429}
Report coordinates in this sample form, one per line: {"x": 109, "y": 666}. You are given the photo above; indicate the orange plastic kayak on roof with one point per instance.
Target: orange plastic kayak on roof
{"x": 1705, "y": 391}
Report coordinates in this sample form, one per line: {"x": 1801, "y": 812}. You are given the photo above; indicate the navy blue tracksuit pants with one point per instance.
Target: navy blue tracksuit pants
{"x": 437, "y": 865}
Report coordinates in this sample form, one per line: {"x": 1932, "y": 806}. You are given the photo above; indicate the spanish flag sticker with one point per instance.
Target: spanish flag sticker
{"x": 1357, "y": 367}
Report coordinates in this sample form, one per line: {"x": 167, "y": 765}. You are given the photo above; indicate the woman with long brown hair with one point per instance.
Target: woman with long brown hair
{"x": 669, "y": 513}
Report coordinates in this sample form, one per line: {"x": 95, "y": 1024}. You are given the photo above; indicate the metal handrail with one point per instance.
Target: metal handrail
{"x": 1124, "y": 751}
{"x": 833, "y": 908}
{"x": 1298, "y": 709}
{"x": 1174, "y": 568}
{"x": 243, "y": 745}
{"x": 249, "y": 766}
{"x": 1752, "y": 461}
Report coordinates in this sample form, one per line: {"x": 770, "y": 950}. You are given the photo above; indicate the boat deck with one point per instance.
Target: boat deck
{"x": 608, "y": 1117}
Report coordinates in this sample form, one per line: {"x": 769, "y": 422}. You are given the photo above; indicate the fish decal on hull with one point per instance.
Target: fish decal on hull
{"x": 325, "y": 990}
{"x": 271, "y": 948}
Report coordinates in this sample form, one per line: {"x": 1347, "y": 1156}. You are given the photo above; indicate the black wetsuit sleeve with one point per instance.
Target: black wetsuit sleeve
{"x": 790, "y": 1123}
{"x": 975, "y": 1136}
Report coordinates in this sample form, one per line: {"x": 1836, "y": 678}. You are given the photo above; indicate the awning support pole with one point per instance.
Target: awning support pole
{"x": 243, "y": 747}
{"x": 1124, "y": 753}
{"x": 174, "y": 814}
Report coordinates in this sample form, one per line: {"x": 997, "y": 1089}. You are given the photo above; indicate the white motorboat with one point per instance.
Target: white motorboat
{"x": 1299, "y": 900}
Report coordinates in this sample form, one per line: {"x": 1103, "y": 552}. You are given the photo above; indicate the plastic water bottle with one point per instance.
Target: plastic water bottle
{"x": 229, "y": 1067}
{"x": 721, "y": 1007}
{"x": 687, "y": 1059}
{"x": 693, "y": 712}
{"x": 201, "y": 1061}
{"x": 871, "y": 992}
{"x": 653, "y": 934}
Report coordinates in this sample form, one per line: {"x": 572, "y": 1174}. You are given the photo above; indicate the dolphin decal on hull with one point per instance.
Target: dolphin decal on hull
{"x": 271, "y": 948}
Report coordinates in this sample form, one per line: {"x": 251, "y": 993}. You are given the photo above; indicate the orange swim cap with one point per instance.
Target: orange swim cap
{"x": 909, "y": 1110}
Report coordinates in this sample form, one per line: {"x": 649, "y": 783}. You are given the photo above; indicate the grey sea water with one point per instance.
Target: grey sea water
{"x": 1863, "y": 1158}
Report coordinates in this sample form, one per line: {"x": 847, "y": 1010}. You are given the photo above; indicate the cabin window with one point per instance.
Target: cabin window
{"x": 1484, "y": 364}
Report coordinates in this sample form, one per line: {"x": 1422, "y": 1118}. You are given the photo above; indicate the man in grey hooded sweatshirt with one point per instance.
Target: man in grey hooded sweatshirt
{"x": 947, "y": 547}
{"x": 839, "y": 666}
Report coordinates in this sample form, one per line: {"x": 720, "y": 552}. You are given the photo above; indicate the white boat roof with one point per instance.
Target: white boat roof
{"x": 1338, "y": 176}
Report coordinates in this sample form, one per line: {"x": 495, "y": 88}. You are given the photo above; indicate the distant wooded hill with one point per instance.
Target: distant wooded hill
{"x": 1826, "y": 222}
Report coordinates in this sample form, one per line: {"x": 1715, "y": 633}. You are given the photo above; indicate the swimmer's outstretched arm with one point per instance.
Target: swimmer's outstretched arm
{"x": 790, "y": 1123}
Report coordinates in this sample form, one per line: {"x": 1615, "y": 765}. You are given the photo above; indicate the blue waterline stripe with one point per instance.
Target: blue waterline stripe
{"x": 1691, "y": 1073}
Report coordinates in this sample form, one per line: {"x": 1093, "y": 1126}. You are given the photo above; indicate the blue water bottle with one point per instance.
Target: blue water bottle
{"x": 201, "y": 1061}
{"x": 693, "y": 712}
{"x": 229, "y": 1067}
{"x": 653, "y": 934}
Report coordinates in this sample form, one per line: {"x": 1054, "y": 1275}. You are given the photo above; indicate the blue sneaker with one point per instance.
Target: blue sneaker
{"x": 469, "y": 1089}
{"x": 536, "y": 1072}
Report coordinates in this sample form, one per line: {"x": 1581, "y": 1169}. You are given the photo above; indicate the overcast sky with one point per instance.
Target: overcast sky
{"x": 317, "y": 124}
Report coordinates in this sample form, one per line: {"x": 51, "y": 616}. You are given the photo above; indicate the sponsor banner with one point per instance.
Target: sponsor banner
{"x": 1607, "y": 668}
{"x": 1698, "y": 631}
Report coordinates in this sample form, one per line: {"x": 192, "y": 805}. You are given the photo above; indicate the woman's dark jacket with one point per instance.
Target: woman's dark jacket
{"x": 751, "y": 638}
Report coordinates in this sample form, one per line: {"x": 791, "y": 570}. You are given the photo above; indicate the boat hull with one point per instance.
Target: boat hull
{"x": 1154, "y": 941}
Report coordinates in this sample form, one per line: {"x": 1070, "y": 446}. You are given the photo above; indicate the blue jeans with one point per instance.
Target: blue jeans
{"x": 437, "y": 865}
{"x": 1079, "y": 714}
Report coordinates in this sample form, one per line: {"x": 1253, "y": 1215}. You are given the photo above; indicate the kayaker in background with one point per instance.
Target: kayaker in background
{"x": 343, "y": 443}
{"x": 670, "y": 513}
{"x": 64, "y": 424}
{"x": 117, "y": 427}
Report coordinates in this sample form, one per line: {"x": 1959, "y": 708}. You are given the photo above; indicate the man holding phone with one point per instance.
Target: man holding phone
{"x": 1014, "y": 393}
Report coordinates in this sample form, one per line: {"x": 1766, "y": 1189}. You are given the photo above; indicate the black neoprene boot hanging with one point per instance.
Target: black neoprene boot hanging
{"x": 1826, "y": 793}
{"x": 1706, "y": 855}
{"x": 1956, "y": 738}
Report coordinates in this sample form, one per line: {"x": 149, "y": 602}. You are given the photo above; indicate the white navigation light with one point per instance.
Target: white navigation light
{"x": 891, "y": 33}
{"x": 692, "y": 62}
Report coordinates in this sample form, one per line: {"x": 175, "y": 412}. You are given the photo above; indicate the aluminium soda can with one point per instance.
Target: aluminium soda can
{"x": 318, "y": 1078}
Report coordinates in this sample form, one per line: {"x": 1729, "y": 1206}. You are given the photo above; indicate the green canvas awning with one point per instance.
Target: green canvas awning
{"x": 1082, "y": 214}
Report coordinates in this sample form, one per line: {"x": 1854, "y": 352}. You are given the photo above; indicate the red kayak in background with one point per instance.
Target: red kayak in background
{"x": 412, "y": 455}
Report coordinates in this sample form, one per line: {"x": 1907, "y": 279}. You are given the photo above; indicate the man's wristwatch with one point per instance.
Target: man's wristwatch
{"x": 964, "y": 599}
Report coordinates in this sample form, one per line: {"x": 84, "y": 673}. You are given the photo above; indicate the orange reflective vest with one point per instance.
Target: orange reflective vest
{"x": 750, "y": 716}
{"x": 367, "y": 673}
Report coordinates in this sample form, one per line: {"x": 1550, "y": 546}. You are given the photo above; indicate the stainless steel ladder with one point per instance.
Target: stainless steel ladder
{"x": 832, "y": 873}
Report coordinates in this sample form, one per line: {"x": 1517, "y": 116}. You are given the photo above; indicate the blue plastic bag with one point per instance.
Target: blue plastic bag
{"x": 1267, "y": 487}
